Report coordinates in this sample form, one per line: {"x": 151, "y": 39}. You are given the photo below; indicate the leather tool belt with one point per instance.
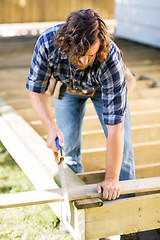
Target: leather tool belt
{"x": 87, "y": 93}
{"x": 55, "y": 86}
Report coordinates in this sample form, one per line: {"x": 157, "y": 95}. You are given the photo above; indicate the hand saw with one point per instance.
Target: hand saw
{"x": 60, "y": 163}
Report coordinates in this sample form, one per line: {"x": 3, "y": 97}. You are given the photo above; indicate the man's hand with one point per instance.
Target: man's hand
{"x": 53, "y": 133}
{"x": 110, "y": 187}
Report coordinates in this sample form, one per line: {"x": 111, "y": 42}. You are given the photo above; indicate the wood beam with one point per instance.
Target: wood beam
{"x": 139, "y": 134}
{"x": 134, "y": 105}
{"x": 143, "y": 93}
{"x": 123, "y": 216}
{"x": 145, "y": 153}
{"x": 148, "y": 170}
{"x": 144, "y": 104}
{"x": 92, "y": 122}
{"x": 142, "y": 171}
{"x": 148, "y": 117}
{"x": 145, "y": 133}
{"x": 75, "y": 193}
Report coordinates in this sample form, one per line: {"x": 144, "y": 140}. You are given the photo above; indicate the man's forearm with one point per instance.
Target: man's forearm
{"x": 115, "y": 145}
{"x": 41, "y": 106}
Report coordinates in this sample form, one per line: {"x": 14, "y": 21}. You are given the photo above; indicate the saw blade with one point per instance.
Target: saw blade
{"x": 65, "y": 192}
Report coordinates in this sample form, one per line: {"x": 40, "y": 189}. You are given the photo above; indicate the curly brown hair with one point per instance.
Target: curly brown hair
{"x": 81, "y": 30}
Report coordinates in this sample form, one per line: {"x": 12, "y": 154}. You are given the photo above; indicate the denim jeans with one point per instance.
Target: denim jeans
{"x": 69, "y": 111}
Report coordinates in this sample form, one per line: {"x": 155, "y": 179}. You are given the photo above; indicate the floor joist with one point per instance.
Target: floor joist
{"x": 92, "y": 122}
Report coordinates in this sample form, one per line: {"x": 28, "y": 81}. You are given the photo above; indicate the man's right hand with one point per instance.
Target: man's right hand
{"x": 53, "y": 133}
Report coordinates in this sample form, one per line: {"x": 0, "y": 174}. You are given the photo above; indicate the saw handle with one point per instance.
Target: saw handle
{"x": 60, "y": 152}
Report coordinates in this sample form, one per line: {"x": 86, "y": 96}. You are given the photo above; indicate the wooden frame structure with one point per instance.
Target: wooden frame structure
{"x": 23, "y": 135}
{"x": 17, "y": 134}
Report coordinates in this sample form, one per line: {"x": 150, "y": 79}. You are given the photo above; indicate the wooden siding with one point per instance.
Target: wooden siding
{"x": 139, "y": 20}
{"x": 20, "y": 11}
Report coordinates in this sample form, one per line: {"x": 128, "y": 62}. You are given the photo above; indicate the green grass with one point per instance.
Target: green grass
{"x": 26, "y": 223}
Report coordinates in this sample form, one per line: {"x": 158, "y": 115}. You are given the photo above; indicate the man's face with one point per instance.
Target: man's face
{"x": 83, "y": 61}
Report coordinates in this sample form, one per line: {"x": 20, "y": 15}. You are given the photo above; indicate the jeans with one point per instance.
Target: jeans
{"x": 69, "y": 112}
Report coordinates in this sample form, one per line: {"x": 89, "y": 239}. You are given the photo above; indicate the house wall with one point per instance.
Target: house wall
{"x": 138, "y": 20}
{"x": 20, "y": 11}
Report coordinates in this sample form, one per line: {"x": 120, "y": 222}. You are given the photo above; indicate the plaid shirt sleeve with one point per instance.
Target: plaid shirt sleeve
{"x": 40, "y": 70}
{"x": 114, "y": 90}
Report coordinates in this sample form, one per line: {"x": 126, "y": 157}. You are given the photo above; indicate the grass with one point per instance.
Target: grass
{"x": 26, "y": 223}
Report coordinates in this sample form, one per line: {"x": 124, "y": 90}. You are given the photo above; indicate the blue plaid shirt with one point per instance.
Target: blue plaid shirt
{"x": 109, "y": 75}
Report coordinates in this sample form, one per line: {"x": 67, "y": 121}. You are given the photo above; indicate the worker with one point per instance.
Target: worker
{"x": 83, "y": 62}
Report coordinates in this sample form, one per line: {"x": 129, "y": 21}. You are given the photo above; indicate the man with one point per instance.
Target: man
{"x": 81, "y": 55}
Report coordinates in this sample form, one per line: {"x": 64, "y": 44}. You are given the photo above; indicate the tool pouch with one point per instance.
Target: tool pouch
{"x": 54, "y": 88}
{"x": 130, "y": 78}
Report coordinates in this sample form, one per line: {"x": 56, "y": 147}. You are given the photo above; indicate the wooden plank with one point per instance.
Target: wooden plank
{"x": 145, "y": 153}
{"x": 12, "y": 93}
{"x": 144, "y": 93}
{"x": 146, "y": 106}
{"x": 134, "y": 105}
{"x": 148, "y": 170}
{"x": 12, "y": 85}
{"x": 92, "y": 176}
{"x": 22, "y": 102}
{"x": 139, "y": 134}
{"x": 127, "y": 216}
{"x": 142, "y": 59}
{"x": 79, "y": 225}
{"x": 29, "y": 115}
{"x": 144, "y": 68}
{"x": 145, "y": 133}
{"x": 75, "y": 193}
{"x": 92, "y": 122}
{"x": 142, "y": 171}
{"x": 145, "y": 117}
